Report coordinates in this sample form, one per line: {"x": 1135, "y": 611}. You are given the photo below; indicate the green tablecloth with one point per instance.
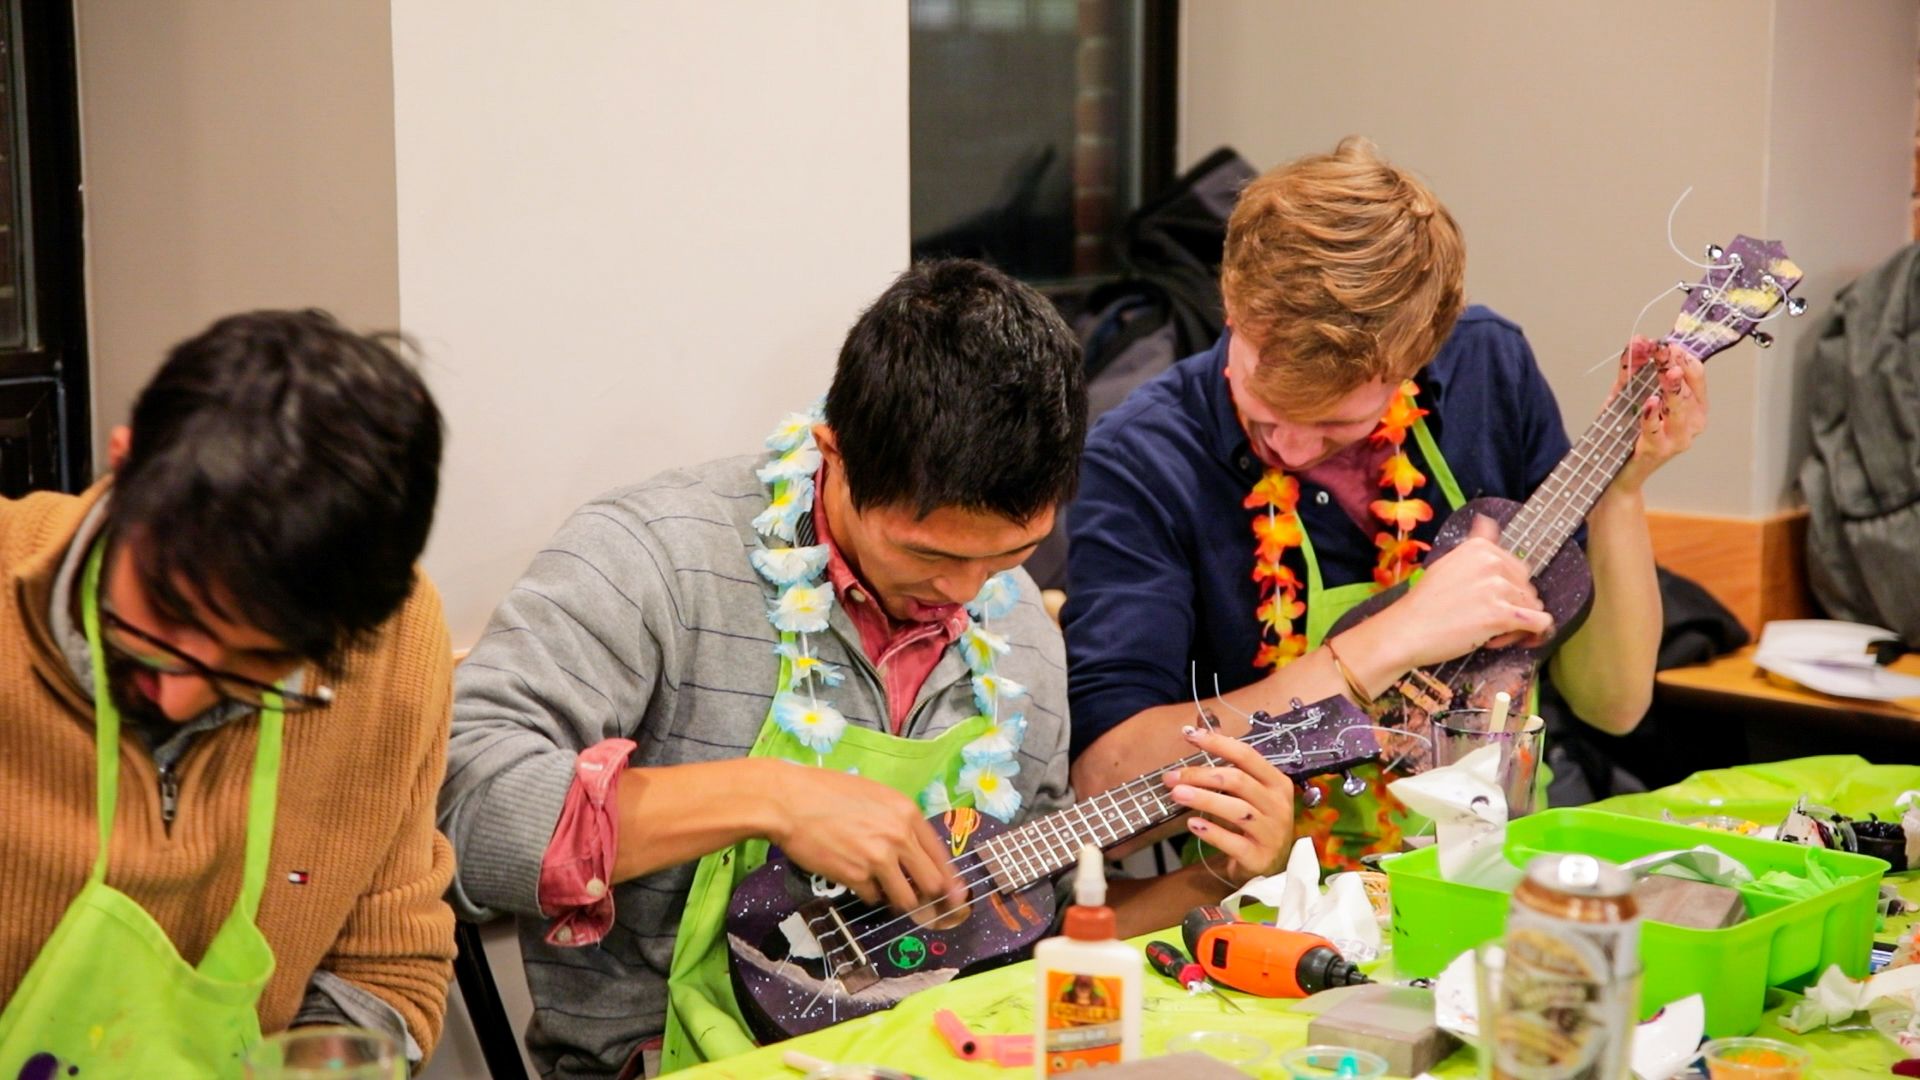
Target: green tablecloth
{"x": 1001, "y": 1001}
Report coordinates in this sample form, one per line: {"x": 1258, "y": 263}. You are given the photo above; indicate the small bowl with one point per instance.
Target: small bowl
{"x": 1240, "y": 1050}
{"x": 1327, "y": 1062}
{"x": 1892, "y": 848}
{"x": 1755, "y": 1059}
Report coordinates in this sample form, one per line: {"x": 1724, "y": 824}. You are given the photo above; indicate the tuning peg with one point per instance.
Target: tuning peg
{"x": 1310, "y": 796}
{"x": 1763, "y": 339}
{"x": 1797, "y": 305}
{"x": 1684, "y": 286}
{"x": 1353, "y": 785}
{"x": 1296, "y": 704}
{"x": 1715, "y": 252}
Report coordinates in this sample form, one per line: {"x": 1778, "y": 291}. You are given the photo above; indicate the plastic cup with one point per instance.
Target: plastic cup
{"x": 326, "y": 1053}
{"x": 1333, "y": 1063}
{"x": 1755, "y": 1059}
{"x": 1240, "y": 1050}
{"x": 1459, "y": 732}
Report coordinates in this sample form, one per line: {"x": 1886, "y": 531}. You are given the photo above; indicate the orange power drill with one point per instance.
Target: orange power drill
{"x": 1265, "y": 960}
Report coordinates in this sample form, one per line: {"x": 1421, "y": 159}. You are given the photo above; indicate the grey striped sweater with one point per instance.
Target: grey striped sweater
{"x": 643, "y": 619}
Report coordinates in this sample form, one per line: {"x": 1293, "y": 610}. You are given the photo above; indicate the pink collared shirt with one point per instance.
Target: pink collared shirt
{"x": 576, "y": 888}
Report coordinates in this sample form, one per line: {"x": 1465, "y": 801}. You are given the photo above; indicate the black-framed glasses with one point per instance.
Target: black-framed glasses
{"x": 135, "y": 644}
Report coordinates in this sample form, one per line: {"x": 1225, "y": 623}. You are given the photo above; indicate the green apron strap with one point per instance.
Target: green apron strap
{"x": 106, "y": 721}
{"x": 262, "y": 800}
{"x": 1438, "y": 465}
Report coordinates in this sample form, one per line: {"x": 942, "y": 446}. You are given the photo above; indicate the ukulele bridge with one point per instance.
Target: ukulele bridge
{"x": 830, "y": 930}
{"x": 1424, "y": 691}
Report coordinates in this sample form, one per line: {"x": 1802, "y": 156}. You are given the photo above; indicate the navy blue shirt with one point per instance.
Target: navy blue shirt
{"x": 1160, "y": 557}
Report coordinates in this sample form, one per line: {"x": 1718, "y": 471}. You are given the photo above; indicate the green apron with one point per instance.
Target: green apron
{"x": 109, "y": 995}
{"x": 703, "y": 1020}
{"x": 1355, "y": 825}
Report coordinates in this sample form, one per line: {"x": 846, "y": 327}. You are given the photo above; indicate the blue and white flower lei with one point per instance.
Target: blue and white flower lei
{"x": 800, "y": 610}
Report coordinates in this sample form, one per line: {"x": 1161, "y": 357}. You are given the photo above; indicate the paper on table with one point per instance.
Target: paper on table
{"x": 1836, "y": 997}
{"x": 1670, "y": 1041}
{"x": 1455, "y": 1005}
{"x": 1831, "y": 656}
{"x": 1469, "y": 813}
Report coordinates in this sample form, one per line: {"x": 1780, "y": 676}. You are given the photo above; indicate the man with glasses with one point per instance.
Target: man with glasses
{"x": 224, "y": 699}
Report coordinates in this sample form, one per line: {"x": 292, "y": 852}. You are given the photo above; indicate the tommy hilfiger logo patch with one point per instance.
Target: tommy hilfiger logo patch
{"x": 299, "y": 877}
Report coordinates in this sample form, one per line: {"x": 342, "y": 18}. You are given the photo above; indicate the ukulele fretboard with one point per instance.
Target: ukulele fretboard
{"x": 1046, "y": 845}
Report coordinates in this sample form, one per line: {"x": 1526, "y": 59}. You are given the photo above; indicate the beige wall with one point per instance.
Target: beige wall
{"x": 631, "y": 237}
{"x": 1561, "y": 134}
{"x": 236, "y": 155}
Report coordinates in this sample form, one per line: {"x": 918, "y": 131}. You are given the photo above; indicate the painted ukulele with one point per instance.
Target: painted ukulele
{"x": 807, "y": 953}
{"x": 1746, "y": 282}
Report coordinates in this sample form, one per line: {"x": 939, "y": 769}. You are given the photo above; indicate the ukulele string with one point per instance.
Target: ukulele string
{"x": 1615, "y": 429}
{"x": 1193, "y": 684}
{"x": 1150, "y": 781}
{"x": 863, "y": 939}
{"x": 1713, "y": 291}
{"x": 1147, "y": 782}
{"x": 1533, "y": 531}
{"x": 1012, "y": 888}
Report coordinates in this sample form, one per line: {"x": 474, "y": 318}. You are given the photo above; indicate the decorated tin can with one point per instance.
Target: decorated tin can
{"x": 1570, "y": 975}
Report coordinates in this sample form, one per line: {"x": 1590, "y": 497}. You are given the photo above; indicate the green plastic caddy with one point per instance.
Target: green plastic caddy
{"x": 1781, "y": 943}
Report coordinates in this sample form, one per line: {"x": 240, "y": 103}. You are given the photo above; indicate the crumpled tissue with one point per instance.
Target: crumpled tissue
{"x": 1342, "y": 914}
{"x": 1662, "y": 1046}
{"x": 1835, "y": 997}
{"x": 1701, "y": 863}
{"x": 1469, "y": 812}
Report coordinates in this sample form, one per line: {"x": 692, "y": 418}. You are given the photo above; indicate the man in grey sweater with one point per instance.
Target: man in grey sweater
{"x": 815, "y": 647}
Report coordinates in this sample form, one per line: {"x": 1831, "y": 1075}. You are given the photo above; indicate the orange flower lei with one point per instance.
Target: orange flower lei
{"x": 1277, "y": 529}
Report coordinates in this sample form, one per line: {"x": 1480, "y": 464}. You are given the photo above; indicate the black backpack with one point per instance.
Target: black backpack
{"x": 1165, "y": 308}
{"x": 1861, "y": 478}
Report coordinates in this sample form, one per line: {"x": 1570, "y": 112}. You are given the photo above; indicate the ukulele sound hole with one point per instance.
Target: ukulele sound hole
{"x": 934, "y": 918}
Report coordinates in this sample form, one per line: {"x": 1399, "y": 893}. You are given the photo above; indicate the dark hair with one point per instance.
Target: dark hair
{"x": 960, "y": 387}
{"x": 283, "y": 471}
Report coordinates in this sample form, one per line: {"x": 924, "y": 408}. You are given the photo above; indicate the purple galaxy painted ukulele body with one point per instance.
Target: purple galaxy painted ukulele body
{"x": 1746, "y": 282}
{"x": 868, "y": 958}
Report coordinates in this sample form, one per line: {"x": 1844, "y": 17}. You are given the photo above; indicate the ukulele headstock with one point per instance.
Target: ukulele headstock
{"x": 1309, "y": 740}
{"x": 1746, "y": 283}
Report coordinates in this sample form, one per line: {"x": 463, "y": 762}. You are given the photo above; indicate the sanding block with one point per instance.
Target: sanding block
{"x": 1395, "y": 1022}
{"x": 1693, "y": 904}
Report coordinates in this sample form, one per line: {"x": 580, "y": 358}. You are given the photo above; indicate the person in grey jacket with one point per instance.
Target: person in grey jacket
{"x": 816, "y": 646}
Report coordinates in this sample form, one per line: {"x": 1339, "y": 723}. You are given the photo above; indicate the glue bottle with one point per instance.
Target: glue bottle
{"x": 1088, "y": 983}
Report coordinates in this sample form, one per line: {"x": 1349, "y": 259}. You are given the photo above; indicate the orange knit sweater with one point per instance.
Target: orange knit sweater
{"x": 357, "y": 790}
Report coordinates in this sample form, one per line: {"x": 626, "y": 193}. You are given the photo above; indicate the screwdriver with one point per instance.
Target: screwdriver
{"x": 1168, "y": 960}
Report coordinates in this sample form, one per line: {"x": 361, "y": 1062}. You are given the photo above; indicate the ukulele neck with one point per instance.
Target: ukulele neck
{"x": 1550, "y": 518}
{"x": 1046, "y": 845}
